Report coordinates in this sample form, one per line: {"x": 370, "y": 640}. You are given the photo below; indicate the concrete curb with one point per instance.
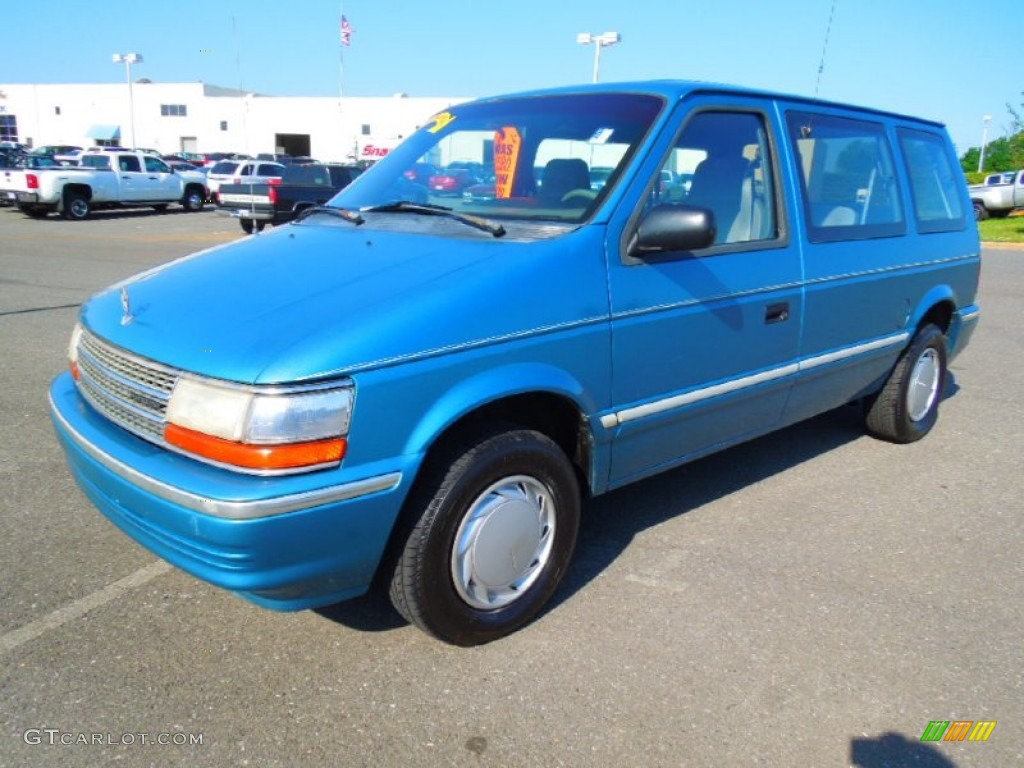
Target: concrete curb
{"x": 1004, "y": 246}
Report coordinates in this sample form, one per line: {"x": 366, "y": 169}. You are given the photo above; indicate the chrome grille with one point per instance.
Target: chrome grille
{"x": 129, "y": 390}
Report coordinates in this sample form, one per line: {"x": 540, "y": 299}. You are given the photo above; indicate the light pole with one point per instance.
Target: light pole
{"x": 984, "y": 140}
{"x": 599, "y": 42}
{"x": 128, "y": 59}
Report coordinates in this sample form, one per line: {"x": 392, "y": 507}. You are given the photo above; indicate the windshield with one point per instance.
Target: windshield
{"x": 524, "y": 158}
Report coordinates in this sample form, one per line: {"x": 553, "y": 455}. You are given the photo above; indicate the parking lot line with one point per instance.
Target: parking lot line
{"x": 80, "y": 607}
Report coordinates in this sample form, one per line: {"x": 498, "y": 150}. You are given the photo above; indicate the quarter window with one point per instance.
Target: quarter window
{"x": 934, "y": 182}
{"x": 846, "y": 175}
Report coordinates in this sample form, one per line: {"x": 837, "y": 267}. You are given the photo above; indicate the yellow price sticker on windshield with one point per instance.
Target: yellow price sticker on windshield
{"x": 440, "y": 121}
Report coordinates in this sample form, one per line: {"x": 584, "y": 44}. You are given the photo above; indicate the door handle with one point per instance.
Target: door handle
{"x": 776, "y": 313}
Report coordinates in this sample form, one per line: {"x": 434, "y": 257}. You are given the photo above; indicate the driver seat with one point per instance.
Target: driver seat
{"x": 562, "y": 176}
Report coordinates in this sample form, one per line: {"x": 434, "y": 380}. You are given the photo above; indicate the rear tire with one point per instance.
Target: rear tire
{"x": 498, "y": 518}
{"x": 907, "y": 406}
{"x": 246, "y": 225}
{"x": 76, "y": 206}
{"x": 34, "y": 211}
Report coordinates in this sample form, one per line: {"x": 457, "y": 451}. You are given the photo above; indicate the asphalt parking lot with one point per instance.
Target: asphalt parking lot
{"x": 813, "y": 598}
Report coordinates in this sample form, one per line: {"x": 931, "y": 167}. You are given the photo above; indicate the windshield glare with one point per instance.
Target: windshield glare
{"x": 524, "y": 158}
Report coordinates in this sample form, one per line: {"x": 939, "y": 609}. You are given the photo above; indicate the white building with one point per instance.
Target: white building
{"x": 195, "y": 117}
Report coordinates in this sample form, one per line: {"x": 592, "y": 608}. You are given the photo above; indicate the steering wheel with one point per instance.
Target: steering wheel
{"x": 579, "y": 196}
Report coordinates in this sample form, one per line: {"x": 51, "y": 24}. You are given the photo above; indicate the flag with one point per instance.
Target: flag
{"x": 346, "y": 32}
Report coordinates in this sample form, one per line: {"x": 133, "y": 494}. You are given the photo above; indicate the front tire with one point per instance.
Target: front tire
{"x": 194, "y": 199}
{"x": 907, "y": 407}
{"x": 980, "y": 212}
{"x": 500, "y": 514}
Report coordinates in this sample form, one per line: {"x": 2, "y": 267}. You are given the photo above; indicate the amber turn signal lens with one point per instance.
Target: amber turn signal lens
{"x": 259, "y": 457}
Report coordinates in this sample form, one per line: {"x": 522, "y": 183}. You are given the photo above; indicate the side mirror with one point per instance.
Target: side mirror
{"x": 668, "y": 228}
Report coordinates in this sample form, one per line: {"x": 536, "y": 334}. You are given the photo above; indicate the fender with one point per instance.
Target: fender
{"x": 939, "y": 294}
{"x": 489, "y": 386}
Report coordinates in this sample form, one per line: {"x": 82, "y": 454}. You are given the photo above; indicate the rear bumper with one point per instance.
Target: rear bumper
{"x": 19, "y": 197}
{"x": 965, "y": 321}
{"x": 284, "y": 543}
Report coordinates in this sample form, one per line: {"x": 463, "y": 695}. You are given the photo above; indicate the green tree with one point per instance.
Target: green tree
{"x": 1003, "y": 154}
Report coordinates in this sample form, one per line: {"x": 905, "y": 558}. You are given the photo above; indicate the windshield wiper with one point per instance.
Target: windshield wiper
{"x": 428, "y": 209}
{"x": 341, "y": 213}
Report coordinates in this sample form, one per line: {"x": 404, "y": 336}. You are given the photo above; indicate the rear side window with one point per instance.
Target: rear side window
{"x": 934, "y": 182}
{"x": 224, "y": 167}
{"x": 849, "y": 187}
{"x": 101, "y": 162}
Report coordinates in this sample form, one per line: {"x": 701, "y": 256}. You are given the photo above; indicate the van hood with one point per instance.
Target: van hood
{"x": 309, "y": 302}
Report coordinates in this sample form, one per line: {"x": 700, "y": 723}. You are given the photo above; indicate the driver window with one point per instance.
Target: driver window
{"x": 719, "y": 163}
{"x": 129, "y": 163}
{"x": 156, "y": 165}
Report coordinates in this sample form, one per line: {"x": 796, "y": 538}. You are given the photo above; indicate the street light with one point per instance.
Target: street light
{"x": 128, "y": 59}
{"x": 599, "y": 42}
{"x": 984, "y": 140}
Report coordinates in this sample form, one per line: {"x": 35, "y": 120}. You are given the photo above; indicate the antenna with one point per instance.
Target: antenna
{"x": 824, "y": 49}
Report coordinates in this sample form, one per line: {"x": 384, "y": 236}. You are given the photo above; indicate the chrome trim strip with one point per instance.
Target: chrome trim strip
{"x": 970, "y": 317}
{"x": 842, "y": 354}
{"x": 687, "y": 398}
{"x": 231, "y": 510}
{"x": 611, "y": 420}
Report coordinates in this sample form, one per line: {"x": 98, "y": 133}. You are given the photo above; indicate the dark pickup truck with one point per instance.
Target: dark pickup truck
{"x": 279, "y": 201}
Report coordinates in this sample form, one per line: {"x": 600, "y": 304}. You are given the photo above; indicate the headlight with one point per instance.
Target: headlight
{"x": 76, "y": 336}
{"x": 262, "y": 429}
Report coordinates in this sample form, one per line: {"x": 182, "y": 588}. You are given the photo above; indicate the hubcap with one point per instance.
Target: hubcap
{"x": 923, "y": 387}
{"x": 504, "y": 542}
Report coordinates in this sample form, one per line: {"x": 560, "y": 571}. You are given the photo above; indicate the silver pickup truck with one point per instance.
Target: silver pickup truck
{"x": 999, "y": 196}
{"x": 102, "y": 180}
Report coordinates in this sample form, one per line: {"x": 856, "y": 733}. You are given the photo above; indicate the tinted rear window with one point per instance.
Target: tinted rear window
{"x": 849, "y": 184}
{"x": 935, "y": 182}
{"x": 96, "y": 161}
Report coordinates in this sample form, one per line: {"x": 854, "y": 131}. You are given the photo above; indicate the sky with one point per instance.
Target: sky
{"x": 926, "y": 58}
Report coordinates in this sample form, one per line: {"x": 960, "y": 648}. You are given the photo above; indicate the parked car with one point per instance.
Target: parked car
{"x": 102, "y": 180}
{"x": 421, "y": 172}
{"x": 257, "y": 172}
{"x": 301, "y": 187}
{"x": 451, "y": 181}
{"x": 424, "y": 397}
{"x": 999, "y": 196}
{"x": 218, "y": 173}
{"x": 599, "y": 176}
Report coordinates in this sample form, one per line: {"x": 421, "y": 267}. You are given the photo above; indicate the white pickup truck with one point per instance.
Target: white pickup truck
{"x": 1000, "y": 195}
{"x": 103, "y": 179}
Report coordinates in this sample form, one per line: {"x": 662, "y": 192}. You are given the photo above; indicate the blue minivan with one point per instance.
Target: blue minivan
{"x": 420, "y": 392}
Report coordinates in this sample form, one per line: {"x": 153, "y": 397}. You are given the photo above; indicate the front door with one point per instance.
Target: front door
{"x": 705, "y": 343}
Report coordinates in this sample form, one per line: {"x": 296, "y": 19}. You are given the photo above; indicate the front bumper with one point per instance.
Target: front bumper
{"x": 285, "y": 543}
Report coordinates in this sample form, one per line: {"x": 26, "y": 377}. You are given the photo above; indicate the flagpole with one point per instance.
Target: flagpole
{"x": 341, "y": 54}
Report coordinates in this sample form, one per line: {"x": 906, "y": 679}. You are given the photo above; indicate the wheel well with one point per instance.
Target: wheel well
{"x": 78, "y": 189}
{"x": 940, "y": 315}
{"x": 547, "y": 413}
{"x": 199, "y": 188}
